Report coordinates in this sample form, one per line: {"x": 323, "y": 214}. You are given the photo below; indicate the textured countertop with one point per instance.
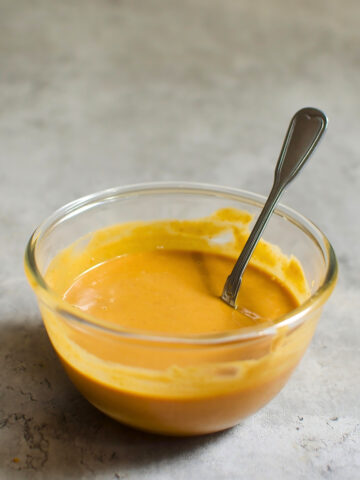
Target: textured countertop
{"x": 97, "y": 94}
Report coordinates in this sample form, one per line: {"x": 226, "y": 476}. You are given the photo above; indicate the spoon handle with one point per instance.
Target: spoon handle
{"x": 304, "y": 132}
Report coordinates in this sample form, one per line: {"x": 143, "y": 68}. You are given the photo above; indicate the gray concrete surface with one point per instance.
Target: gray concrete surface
{"x": 101, "y": 93}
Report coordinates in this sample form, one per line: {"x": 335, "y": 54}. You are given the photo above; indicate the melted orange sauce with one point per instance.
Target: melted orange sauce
{"x": 166, "y": 277}
{"x": 177, "y": 292}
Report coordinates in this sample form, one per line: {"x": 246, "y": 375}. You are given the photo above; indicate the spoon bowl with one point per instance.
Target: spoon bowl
{"x": 183, "y": 385}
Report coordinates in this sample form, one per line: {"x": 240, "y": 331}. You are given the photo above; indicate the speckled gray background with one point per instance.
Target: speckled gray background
{"x": 101, "y": 93}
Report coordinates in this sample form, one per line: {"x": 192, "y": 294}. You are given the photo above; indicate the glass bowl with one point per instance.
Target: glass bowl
{"x": 183, "y": 385}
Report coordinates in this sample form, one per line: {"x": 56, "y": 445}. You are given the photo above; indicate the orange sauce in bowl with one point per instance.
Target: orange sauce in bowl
{"x": 177, "y": 292}
{"x": 165, "y": 278}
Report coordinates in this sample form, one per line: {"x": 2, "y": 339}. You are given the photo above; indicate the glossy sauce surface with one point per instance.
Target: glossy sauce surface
{"x": 177, "y": 292}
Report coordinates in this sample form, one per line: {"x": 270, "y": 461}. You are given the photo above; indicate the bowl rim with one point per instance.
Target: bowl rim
{"x": 52, "y": 300}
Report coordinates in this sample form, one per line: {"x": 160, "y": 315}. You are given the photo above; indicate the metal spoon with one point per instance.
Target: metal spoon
{"x": 305, "y": 130}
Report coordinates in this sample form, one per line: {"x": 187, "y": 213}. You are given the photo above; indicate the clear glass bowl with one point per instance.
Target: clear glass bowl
{"x": 190, "y": 385}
